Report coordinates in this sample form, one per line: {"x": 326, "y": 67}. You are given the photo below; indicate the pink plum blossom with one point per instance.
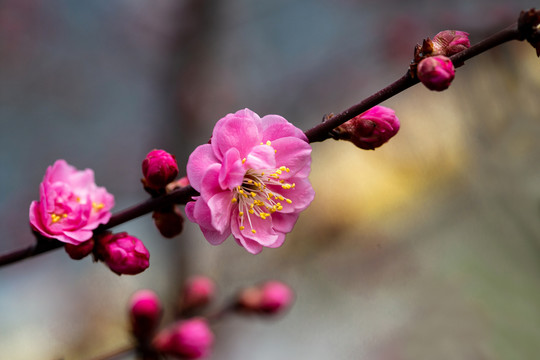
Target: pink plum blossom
{"x": 198, "y": 291}
{"x": 270, "y": 298}
{"x": 276, "y": 297}
{"x": 70, "y": 205}
{"x": 189, "y": 339}
{"x": 252, "y": 179}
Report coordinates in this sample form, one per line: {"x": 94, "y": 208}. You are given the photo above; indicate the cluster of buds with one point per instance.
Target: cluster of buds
{"x": 187, "y": 338}
{"x": 159, "y": 171}
{"x": 190, "y": 336}
{"x": 122, "y": 253}
{"x": 529, "y": 28}
{"x": 431, "y": 62}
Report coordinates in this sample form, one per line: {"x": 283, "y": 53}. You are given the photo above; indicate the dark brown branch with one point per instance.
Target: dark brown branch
{"x": 320, "y": 132}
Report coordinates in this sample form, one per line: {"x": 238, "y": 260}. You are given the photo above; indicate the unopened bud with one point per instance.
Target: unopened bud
{"x": 529, "y": 27}
{"x": 271, "y": 297}
{"x": 436, "y": 72}
{"x": 145, "y": 313}
{"x": 198, "y": 291}
{"x": 123, "y": 254}
{"x": 450, "y": 42}
{"x": 169, "y": 223}
{"x": 189, "y": 339}
{"x": 370, "y": 129}
{"x": 276, "y": 297}
{"x": 77, "y": 252}
{"x": 159, "y": 168}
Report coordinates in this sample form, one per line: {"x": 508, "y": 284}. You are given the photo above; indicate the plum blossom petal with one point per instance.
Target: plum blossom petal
{"x": 199, "y": 161}
{"x": 284, "y": 223}
{"x": 216, "y": 204}
{"x": 261, "y": 157}
{"x": 198, "y": 211}
{"x": 240, "y": 132}
{"x": 71, "y": 205}
{"x": 276, "y": 127}
{"x": 294, "y": 154}
{"x": 232, "y": 172}
{"x": 255, "y": 182}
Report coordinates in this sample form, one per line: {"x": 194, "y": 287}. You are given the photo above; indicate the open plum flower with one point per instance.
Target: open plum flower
{"x": 70, "y": 205}
{"x": 252, "y": 179}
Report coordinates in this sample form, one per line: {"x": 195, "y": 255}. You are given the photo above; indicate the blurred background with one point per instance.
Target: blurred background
{"x": 427, "y": 248}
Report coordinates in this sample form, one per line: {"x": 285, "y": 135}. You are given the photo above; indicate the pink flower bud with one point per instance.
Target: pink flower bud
{"x": 276, "y": 297}
{"x": 77, "y": 252}
{"x": 189, "y": 339}
{"x": 159, "y": 168}
{"x": 124, "y": 254}
{"x": 436, "y": 72}
{"x": 450, "y": 42}
{"x": 198, "y": 291}
{"x": 169, "y": 223}
{"x": 145, "y": 313}
{"x": 370, "y": 129}
{"x": 271, "y": 297}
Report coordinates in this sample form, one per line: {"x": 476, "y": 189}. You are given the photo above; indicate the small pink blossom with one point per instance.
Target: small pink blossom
{"x": 70, "y": 205}
{"x": 123, "y": 254}
{"x": 198, "y": 291}
{"x": 189, "y": 339}
{"x": 271, "y": 297}
{"x": 370, "y": 129}
{"x": 252, "y": 179}
{"x": 276, "y": 297}
{"x": 450, "y": 42}
{"x": 145, "y": 313}
{"x": 159, "y": 168}
{"x": 436, "y": 72}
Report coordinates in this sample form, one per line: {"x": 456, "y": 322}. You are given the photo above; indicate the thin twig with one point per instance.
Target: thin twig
{"x": 320, "y": 132}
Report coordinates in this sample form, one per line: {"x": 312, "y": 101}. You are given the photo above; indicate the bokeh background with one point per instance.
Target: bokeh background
{"x": 428, "y": 248}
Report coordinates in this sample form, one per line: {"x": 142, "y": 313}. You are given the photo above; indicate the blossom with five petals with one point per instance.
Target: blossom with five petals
{"x": 252, "y": 179}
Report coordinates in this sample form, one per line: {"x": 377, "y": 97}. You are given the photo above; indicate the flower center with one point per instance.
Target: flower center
{"x": 63, "y": 209}
{"x": 260, "y": 195}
